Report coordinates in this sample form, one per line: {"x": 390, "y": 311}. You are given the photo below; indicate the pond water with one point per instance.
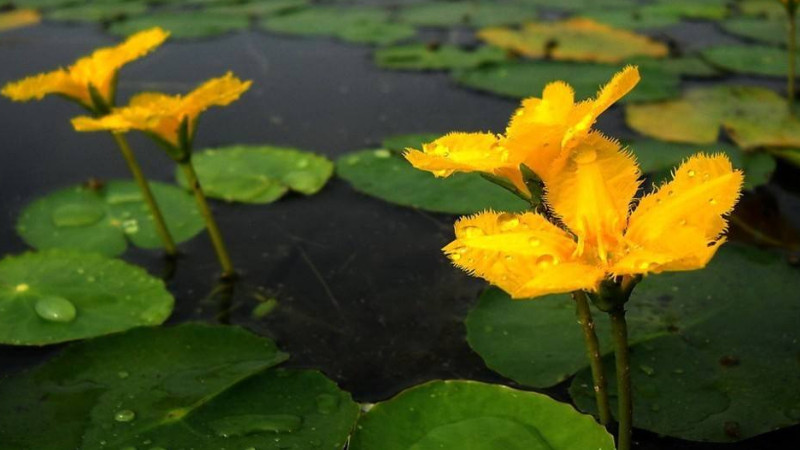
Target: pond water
{"x": 364, "y": 294}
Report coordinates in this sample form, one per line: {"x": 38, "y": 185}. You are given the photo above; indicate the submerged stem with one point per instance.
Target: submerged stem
{"x": 147, "y": 194}
{"x": 211, "y": 224}
{"x": 619, "y": 329}
{"x": 593, "y": 353}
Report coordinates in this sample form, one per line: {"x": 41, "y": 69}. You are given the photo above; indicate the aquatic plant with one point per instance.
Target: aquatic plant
{"x": 791, "y": 12}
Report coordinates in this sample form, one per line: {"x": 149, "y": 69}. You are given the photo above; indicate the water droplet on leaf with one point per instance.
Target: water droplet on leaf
{"x": 256, "y": 423}
{"x": 382, "y": 153}
{"x": 77, "y": 215}
{"x": 507, "y": 221}
{"x": 55, "y": 309}
{"x": 125, "y": 415}
{"x": 327, "y": 403}
{"x": 472, "y": 232}
{"x": 586, "y": 156}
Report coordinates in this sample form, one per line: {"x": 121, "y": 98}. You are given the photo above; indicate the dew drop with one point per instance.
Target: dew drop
{"x": 125, "y": 415}
{"x": 507, "y": 221}
{"x": 691, "y": 173}
{"x": 22, "y": 287}
{"x": 77, "y": 215}
{"x": 712, "y": 201}
{"x": 256, "y": 423}
{"x": 382, "y": 153}
{"x": 472, "y": 232}
{"x": 546, "y": 261}
{"x": 455, "y": 256}
{"x": 534, "y": 242}
{"x": 585, "y": 156}
{"x": 440, "y": 173}
{"x": 302, "y": 164}
{"x": 441, "y": 150}
{"x": 130, "y": 226}
{"x": 327, "y": 403}
{"x": 123, "y": 374}
{"x": 55, "y": 309}
{"x": 649, "y": 371}
{"x": 644, "y": 265}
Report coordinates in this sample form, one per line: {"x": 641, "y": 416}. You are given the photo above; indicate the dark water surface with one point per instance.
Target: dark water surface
{"x": 364, "y": 293}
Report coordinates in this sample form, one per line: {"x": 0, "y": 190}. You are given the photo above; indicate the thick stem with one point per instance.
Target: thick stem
{"x": 593, "y": 353}
{"x": 147, "y": 194}
{"x": 211, "y": 225}
{"x": 792, "y": 49}
{"x": 619, "y": 328}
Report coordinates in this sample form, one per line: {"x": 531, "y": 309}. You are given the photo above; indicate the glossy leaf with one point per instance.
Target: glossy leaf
{"x": 258, "y": 174}
{"x": 98, "y": 12}
{"x": 749, "y": 59}
{"x": 184, "y": 24}
{"x": 471, "y": 13}
{"x": 104, "y": 220}
{"x": 468, "y": 415}
{"x": 769, "y": 31}
{"x": 426, "y": 57}
{"x": 59, "y": 295}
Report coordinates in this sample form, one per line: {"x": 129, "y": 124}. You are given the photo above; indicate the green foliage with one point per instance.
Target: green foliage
{"x": 57, "y": 295}
{"x": 97, "y": 12}
{"x": 472, "y": 13}
{"x": 769, "y": 31}
{"x": 258, "y": 174}
{"x": 468, "y": 415}
{"x": 749, "y": 59}
{"x": 104, "y": 220}
{"x": 426, "y": 57}
{"x": 184, "y": 24}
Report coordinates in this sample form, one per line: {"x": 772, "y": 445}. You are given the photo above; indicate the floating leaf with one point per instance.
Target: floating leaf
{"x": 579, "y": 5}
{"x": 770, "y": 31}
{"x": 634, "y": 19}
{"x": 691, "y": 66}
{"x": 660, "y": 159}
{"x": 189, "y": 386}
{"x": 258, "y": 7}
{"x": 699, "y": 114}
{"x": 104, "y": 220}
{"x": 749, "y": 59}
{"x": 60, "y": 295}
{"x": 362, "y": 25}
{"x": 98, "y": 12}
{"x": 426, "y": 57}
{"x": 468, "y": 415}
{"x": 184, "y": 24}
{"x": 258, "y": 174}
{"x": 525, "y": 79}
{"x": 762, "y": 8}
{"x": 682, "y": 325}
{"x": 574, "y": 39}
{"x": 18, "y": 18}
{"x": 477, "y": 14}
{"x": 388, "y": 176}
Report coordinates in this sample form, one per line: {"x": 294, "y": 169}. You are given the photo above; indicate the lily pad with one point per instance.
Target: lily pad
{"x": 762, "y": 8}
{"x": 361, "y": 25}
{"x": 426, "y": 57}
{"x": 578, "y": 39}
{"x": 104, "y": 220}
{"x": 769, "y": 31}
{"x": 184, "y": 24}
{"x": 60, "y": 295}
{"x": 258, "y": 174}
{"x": 258, "y": 7}
{"x": 749, "y": 59}
{"x": 690, "y": 66}
{"x": 685, "y": 329}
{"x": 525, "y": 79}
{"x": 468, "y": 415}
{"x": 659, "y": 159}
{"x": 698, "y": 116}
{"x": 98, "y": 12}
{"x": 189, "y": 386}
{"x": 478, "y": 14}
{"x": 633, "y": 19}
{"x": 388, "y": 176}
{"x": 18, "y": 19}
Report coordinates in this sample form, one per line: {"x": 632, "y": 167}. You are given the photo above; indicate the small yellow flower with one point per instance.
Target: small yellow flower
{"x": 161, "y": 115}
{"x": 97, "y": 71}
{"x": 678, "y": 227}
{"x": 542, "y": 135}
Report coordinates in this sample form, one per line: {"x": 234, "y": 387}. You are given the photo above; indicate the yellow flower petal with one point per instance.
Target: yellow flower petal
{"x": 593, "y": 193}
{"x": 686, "y": 249}
{"x": 99, "y": 70}
{"x": 703, "y": 190}
{"x": 524, "y": 254}
{"x": 220, "y": 91}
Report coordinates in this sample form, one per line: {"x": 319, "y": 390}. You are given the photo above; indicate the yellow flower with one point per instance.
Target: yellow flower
{"x": 97, "y": 71}
{"x": 542, "y": 134}
{"x": 677, "y": 227}
{"x": 161, "y": 115}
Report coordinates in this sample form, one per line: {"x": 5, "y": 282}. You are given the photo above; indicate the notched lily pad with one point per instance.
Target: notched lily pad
{"x": 576, "y": 39}
{"x": 470, "y": 415}
{"x": 105, "y": 219}
{"x": 184, "y": 24}
{"x": 428, "y": 57}
{"x": 258, "y": 174}
{"x": 387, "y": 175}
{"x": 59, "y": 295}
{"x": 526, "y": 79}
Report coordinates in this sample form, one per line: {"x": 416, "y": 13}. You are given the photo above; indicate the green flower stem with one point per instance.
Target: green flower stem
{"x": 792, "y": 49}
{"x": 619, "y": 328}
{"x": 211, "y": 225}
{"x": 147, "y": 194}
{"x": 593, "y": 353}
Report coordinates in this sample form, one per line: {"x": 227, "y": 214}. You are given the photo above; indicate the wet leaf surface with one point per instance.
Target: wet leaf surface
{"x": 258, "y": 174}
{"x": 184, "y": 24}
{"x": 426, "y": 57}
{"x": 769, "y": 31}
{"x": 98, "y": 12}
{"x": 476, "y": 416}
{"x": 470, "y": 13}
{"x": 749, "y": 59}
{"x": 105, "y": 220}
{"x": 57, "y": 295}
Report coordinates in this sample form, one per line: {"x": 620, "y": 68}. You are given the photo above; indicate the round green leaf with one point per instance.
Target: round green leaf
{"x": 769, "y": 31}
{"x": 258, "y": 174}
{"x": 525, "y": 79}
{"x": 718, "y": 376}
{"x": 691, "y": 66}
{"x": 59, "y": 295}
{"x": 468, "y": 415}
{"x": 749, "y": 59}
{"x": 424, "y": 57}
{"x": 477, "y": 14}
{"x": 97, "y": 12}
{"x": 258, "y": 7}
{"x": 633, "y": 19}
{"x": 362, "y": 25}
{"x": 103, "y": 220}
{"x": 184, "y": 24}
{"x": 150, "y": 388}
{"x": 388, "y": 176}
